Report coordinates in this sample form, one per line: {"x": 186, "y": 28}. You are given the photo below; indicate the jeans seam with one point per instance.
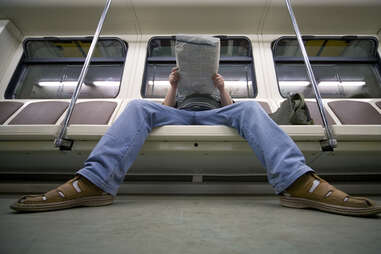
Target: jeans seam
{"x": 131, "y": 143}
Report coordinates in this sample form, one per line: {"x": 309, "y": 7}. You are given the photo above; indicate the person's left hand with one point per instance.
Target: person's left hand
{"x": 218, "y": 81}
{"x": 174, "y": 77}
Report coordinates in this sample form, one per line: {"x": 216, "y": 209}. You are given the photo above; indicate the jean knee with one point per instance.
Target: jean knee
{"x": 137, "y": 104}
{"x": 250, "y": 106}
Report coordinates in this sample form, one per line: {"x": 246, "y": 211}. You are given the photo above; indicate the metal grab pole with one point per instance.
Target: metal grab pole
{"x": 60, "y": 141}
{"x": 331, "y": 144}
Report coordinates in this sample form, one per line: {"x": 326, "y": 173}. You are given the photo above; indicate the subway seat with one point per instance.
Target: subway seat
{"x": 197, "y": 132}
{"x": 26, "y": 144}
{"x": 33, "y": 120}
{"x": 164, "y": 133}
{"x": 224, "y": 133}
{"x": 90, "y": 120}
{"x": 8, "y": 108}
{"x": 40, "y": 120}
{"x": 359, "y": 120}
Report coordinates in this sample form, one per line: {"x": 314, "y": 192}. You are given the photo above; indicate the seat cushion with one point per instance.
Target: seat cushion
{"x": 315, "y": 114}
{"x": 355, "y": 112}
{"x": 93, "y": 112}
{"x": 7, "y": 108}
{"x": 45, "y": 112}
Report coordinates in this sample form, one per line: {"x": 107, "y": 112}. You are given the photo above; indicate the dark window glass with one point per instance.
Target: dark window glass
{"x": 235, "y": 47}
{"x": 236, "y": 66}
{"x": 50, "y": 69}
{"x": 161, "y": 48}
{"x": 343, "y": 68}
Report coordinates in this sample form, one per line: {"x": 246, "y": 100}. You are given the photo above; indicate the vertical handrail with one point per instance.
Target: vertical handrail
{"x": 60, "y": 141}
{"x": 330, "y": 143}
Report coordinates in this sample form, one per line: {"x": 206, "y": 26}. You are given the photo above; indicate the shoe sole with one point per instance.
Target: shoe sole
{"x": 84, "y": 201}
{"x": 306, "y": 203}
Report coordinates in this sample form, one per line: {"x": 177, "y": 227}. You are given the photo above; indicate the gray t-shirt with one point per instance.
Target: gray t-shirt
{"x": 198, "y": 102}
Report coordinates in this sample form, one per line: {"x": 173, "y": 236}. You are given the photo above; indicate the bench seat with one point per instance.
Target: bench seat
{"x": 357, "y": 132}
{"x": 197, "y": 132}
{"x": 93, "y": 132}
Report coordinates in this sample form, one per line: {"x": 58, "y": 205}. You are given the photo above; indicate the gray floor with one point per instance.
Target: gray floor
{"x": 187, "y": 224}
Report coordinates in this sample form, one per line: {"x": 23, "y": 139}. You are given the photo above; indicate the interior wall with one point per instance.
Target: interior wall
{"x": 10, "y": 41}
{"x": 324, "y": 17}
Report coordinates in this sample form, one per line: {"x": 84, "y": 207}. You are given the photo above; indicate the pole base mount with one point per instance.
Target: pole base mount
{"x": 328, "y": 145}
{"x": 64, "y": 144}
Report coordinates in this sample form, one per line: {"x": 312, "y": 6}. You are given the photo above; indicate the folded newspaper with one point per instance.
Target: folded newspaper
{"x": 198, "y": 60}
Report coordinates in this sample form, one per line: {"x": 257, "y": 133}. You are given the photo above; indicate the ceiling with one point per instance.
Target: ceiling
{"x": 72, "y": 17}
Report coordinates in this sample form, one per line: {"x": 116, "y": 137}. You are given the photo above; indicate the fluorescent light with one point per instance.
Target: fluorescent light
{"x": 345, "y": 83}
{"x": 74, "y": 83}
{"x": 323, "y": 83}
{"x": 294, "y": 83}
{"x": 158, "y": 83}
{"x": 106, "y": 83}
{"x": 237, "y": 83}
{"x": 227, "y": 83}
{"x": 56, "y": 83}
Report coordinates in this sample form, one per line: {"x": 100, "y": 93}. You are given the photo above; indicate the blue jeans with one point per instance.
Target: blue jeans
{"x": 118, "y": 148}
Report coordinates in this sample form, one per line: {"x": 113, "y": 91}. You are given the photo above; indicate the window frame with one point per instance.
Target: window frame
{"x": 320, "y": 60}
{"x": 235, "y": 60}
{"x": 9, "y": 92}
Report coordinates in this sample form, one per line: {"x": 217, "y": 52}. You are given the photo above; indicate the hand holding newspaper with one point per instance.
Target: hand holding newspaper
{"x": 198, "y": 60}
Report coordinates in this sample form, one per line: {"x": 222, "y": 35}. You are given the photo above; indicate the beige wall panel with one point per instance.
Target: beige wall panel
{"x": 10, "y": 39}
{"x": 68, "y": 17}
{"x": 199, "y": 19}
{"x": 325, "y": 17}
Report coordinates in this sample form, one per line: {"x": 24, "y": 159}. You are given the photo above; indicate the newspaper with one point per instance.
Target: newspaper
{"x": 197, "y": 58}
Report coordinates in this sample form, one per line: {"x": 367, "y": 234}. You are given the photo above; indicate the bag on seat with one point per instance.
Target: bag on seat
{"x": 293, "y": 111}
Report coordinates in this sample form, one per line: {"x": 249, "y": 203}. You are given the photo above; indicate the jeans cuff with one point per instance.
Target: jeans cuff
{"x": 97, "y": 181}
{"x": 279, "y": 188}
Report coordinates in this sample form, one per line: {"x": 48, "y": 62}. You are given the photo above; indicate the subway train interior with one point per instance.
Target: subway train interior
{"x": 192, "y": 188}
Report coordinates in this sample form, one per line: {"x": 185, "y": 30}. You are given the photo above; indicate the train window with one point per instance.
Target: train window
{"x": 236, "y": 66}
{"x": 344, "y": 67}
{"x": 50, "y": 67}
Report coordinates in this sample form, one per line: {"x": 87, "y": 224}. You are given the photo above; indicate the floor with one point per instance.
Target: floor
{"x": 187, "y": 224}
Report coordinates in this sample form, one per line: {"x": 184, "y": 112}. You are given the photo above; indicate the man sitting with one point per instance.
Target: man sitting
{"x": 98, "y": 181}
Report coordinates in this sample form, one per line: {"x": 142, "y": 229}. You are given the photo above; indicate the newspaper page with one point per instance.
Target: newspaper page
{"x": 197, "y": 58}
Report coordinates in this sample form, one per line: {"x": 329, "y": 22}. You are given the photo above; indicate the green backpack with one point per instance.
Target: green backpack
{"x": 293, "y": 111}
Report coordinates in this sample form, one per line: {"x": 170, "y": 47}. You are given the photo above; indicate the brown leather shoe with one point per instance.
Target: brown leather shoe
{"x": 76, "y": 192}
{"x": 311, "y": 191}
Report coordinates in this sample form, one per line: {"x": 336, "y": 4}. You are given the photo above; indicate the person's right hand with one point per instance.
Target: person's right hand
{"x": 174, "y": 77}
